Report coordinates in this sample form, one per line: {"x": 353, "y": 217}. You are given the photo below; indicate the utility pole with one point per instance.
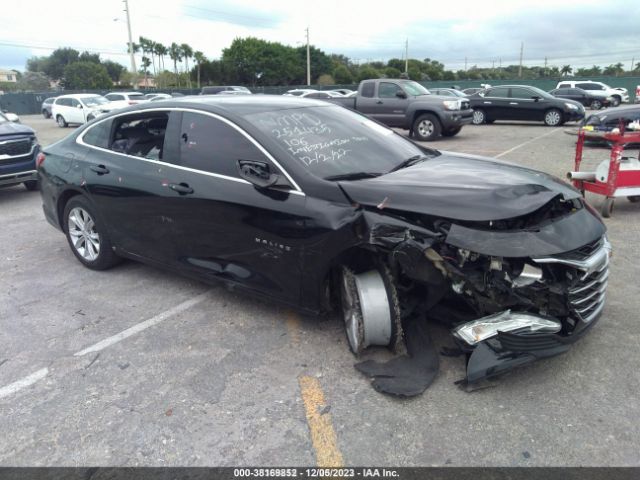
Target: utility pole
{"x": 308, "y": 60}
{"x": 545, "y": 66}
{"x": 633, "y": 60}
{"x": 465, "y": 64}
{"x": 133, "y": 59}
{"x": 521, "y": 52}
{"x": 406, "y": 56}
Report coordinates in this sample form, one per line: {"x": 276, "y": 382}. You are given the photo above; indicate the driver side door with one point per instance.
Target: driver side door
{"x": 391, "y": 109}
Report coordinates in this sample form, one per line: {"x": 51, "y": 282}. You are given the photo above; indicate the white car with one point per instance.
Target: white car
{"x": 618, "y": 95}
{"x": 79, "y": 108}
{"x": 321, "y": 95}
{"x": 124, "y": 99}
{"x": 299, "y": 91}
{"x": 155, "y": 97}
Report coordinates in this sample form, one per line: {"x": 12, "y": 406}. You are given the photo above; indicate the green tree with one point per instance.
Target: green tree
{"x": 566, "y": 70}
{"x": 616, "y": 69}
{"x": 59, "y": 60}
{"x": 34, "y": 81}
{"x": 86, "y": 75}
{"x": 320, "y": 62}
{"x": 37, "y": 64}
{"x": 326, "y": 79}
{"x": 187, "y": 53}
{"x": 175, "y": 54}
{"x": 146, "y": 63}
{"x": 391, "y": 72}
{"x": 366, "y": 72}
{"x": 89, "y": 57}
{"x": 342, "y": 75}
{"x": 114, "y": 69}
{"x": 200, "y": 59}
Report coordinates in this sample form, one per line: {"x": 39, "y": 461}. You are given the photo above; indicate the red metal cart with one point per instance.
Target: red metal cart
{"x": 616, "y": 181}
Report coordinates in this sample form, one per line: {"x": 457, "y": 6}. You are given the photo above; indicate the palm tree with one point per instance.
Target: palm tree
{"x": 145, "y": 65}
{"x": 200, "y": 59}
{"x": 175, "y": 54}
{"x": 187, "y": 52}
{"x": 566, "y": 70}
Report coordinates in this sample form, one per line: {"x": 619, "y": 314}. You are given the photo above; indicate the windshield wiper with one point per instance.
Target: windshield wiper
{"x": 410, "y": 161}
{"x": 352, "y": 176}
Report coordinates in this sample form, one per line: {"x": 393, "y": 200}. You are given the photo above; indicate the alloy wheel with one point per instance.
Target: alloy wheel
{"x": 426, "y": 128}
{"x": 552, "y": 118}
{"x": 84, "y": 236}
{"x": 478, "y": 117}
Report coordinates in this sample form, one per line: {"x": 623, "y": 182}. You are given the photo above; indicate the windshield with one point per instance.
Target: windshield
{"x": 333, "y": 141}
{"x": 94, "y": 101}
{"x": 414, "y": 89}
{"x": 132, "y": 95}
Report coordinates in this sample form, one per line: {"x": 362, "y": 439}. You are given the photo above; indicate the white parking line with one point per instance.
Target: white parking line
{"x": 107, "y": 342}
{"x": 528, "y": 142}
{"x": 23, "y": 382}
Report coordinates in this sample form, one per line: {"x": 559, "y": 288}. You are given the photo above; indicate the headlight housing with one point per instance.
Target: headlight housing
{"x": 479, "y": 330}
{"x": 571, "y": 106}
{"x": 452, "y": 104}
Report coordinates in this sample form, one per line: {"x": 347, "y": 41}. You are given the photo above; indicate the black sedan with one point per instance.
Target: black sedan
{"x": 319, "y": 207}
{"x": 587, "y": 98}
{"x": 518, "y": 102}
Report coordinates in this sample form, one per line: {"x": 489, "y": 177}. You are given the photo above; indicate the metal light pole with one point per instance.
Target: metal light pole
{"x": 308, "y": 60}
{"x": 133, "y": 59}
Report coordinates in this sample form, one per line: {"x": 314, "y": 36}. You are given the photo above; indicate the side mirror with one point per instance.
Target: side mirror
{"x": 401, "y": 94}
{"x": 257, "y": 173}
{"x": 80, "y": 106}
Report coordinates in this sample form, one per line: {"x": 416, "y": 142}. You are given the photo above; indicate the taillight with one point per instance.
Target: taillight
{"x": 40, "y": 159}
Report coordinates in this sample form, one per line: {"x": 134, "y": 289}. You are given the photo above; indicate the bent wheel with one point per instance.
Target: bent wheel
{"x": 370, "y": 309}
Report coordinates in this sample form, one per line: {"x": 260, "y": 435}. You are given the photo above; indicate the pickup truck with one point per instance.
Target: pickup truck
{"x": 407, "y": 104}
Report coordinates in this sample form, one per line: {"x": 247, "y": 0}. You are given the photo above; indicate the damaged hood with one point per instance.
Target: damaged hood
{"x": 461, "y": 187}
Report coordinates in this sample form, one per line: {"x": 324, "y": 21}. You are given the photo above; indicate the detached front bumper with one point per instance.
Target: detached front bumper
{"x": 501, "y": 342}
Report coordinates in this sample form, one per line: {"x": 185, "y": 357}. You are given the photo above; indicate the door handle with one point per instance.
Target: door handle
{"x": 181, "y": 188}
{"x": 513, "y": 103}
{"x": 99, "y": 169}
{"x": 487, "y": 103}
{"x": 379, "y": 102}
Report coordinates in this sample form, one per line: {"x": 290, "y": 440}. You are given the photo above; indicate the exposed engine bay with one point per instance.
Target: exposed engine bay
{"x": 510, "y": 291}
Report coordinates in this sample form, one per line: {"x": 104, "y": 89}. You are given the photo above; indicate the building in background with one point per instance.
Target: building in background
{"x": 8, "y": 75}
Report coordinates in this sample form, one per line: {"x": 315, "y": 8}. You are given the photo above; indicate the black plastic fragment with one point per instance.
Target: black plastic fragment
{"x": 407, "y": 375}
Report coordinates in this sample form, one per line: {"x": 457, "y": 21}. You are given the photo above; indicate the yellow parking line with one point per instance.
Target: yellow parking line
{"x": 293, "y": 327}
{"x": 323, "y": 436}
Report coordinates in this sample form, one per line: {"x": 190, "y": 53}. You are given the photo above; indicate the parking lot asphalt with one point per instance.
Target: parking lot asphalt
{"x": 139, "y": 367}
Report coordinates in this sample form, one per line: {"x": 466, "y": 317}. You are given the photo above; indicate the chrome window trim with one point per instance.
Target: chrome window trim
{"x": 80, "y": 141}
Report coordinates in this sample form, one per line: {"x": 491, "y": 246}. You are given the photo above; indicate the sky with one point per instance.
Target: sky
{"x": 575, "y": 32}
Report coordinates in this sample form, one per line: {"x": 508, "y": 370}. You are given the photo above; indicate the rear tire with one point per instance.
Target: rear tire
{"x": 479, "y": 117}
{"x": 451, "y": 133}
{"x": 426, "y": 128}
{"x": 31, "y": 185}
{"x": 87, "y": 235}
{"x": 553, "y": 118}
{"x": 62, "y": 123}
{"x": 46, "y": 114}
{"x": 596, "y": 105}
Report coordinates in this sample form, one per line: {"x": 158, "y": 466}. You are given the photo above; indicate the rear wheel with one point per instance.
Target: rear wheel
{"x": 87, "y": 236}
{"x": 596, "y": 105}
{"x": 426, "y": 128}
{"x": 62, "y": 123}
{"x": 31, "y": 185}
{"x": 451, "y": 133}
{"x": 553, "y": 118}
{"x": 479, "y": 117}
{"x": 46, "y": 113}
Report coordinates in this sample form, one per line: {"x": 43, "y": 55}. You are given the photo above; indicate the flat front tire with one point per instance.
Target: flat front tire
{"x": 87, "y": 236}
{"x": 426, "y": 128}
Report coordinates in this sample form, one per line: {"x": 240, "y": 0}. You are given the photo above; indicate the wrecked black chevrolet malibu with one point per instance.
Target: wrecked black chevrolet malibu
{"x": 321, "y": 208}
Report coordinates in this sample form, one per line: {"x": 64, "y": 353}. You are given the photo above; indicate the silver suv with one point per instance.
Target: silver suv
{"x": 618, "y": 95}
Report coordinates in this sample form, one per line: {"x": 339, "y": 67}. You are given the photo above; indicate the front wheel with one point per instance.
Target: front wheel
{"x": 451, "y": 133}
{"x": 87, "y": 237}
{"x": 479, "y": 117}
{"x": 596, "y": 105}
{"x": 553, "y": 118}
{"x": 31, "y": 185}
{"x": 615, "y": 101}
{"x": 426, "y": 128}
{"x": 62, "y": 123}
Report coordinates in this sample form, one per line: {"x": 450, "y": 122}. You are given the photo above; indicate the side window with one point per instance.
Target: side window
{"x": 98, "y": 135}
{"x": 115, "y": 97}
{"x": 74, "y": 102}
{"x": 368, "y": 89}
{"x": 564, "y": 85}
{"x": 521, "y": 93}
{"x": 498, "y": 92}
{"x": 388, "y": 90}
{"x": 140, "y": 135}
{"x": 211, "y": 145}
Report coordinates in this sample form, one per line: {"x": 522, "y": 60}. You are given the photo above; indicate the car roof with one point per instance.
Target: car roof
{"x": 79, "y": 95}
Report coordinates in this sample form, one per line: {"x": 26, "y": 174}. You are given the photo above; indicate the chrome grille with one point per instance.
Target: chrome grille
{"x": 13, "y": 148}
{"x": 586, "y": 297}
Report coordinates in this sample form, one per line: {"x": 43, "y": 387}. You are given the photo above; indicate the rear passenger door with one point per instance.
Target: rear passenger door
{"x": 224, "y": 227}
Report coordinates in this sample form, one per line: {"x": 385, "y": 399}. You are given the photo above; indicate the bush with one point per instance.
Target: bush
{"x": 86, "y": 75}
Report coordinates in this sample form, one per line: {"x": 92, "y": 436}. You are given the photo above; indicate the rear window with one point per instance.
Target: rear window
{"x": 368, "y": 89}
